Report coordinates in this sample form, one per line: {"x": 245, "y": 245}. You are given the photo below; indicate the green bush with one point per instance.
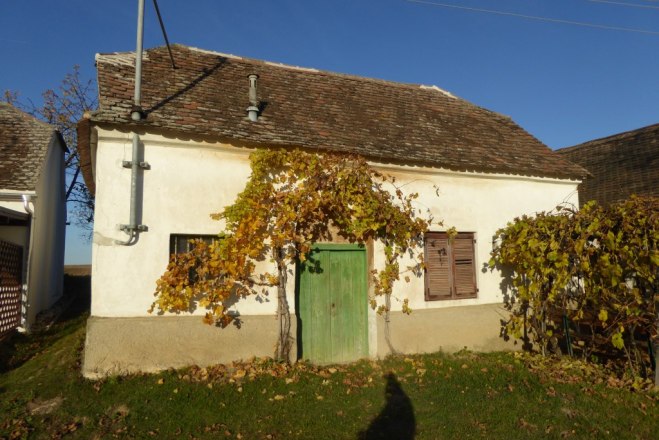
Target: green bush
{"x": 596, "y": 269}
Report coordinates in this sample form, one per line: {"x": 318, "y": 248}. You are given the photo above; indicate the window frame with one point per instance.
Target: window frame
{"x": 453, "y": 262}
{"x": 187, "y": 238}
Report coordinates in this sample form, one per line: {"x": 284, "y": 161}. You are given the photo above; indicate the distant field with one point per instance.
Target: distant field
{"x": 78, "y": 269}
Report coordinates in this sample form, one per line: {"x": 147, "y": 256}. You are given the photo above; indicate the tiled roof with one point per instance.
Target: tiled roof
{"x": 24, "y": 143}
{"x": 623, "y": 164}
{"x": 207, "y": 96}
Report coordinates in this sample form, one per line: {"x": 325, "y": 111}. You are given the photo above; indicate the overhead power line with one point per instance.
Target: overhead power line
{"x": 164, "y": 33}
{"x": 631, "y": 5}
{"x": 537, "y": 18}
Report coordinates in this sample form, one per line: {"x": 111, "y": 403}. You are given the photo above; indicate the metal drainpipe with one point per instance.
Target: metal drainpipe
{"x": 27, "y": 199}
{"x": 132, "y": 228}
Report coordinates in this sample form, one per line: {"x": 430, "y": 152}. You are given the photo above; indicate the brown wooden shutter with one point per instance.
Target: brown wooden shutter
{"x": 438, "y": 267}
{"x": 464, "y": 266}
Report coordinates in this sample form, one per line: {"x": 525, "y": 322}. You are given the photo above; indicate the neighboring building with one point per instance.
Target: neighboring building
{"x": 32, "y": 217}
{"x": 474, "y": 169}
{"x": 621, "y": 165}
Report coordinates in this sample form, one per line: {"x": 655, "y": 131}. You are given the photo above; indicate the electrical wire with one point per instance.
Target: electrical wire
{"x": 164, "y": 33}
{"x": 631, "y": 5}
{"x": 534, "y": 17}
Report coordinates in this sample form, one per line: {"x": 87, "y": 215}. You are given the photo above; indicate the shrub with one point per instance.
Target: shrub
{"x": 596, "y": 268}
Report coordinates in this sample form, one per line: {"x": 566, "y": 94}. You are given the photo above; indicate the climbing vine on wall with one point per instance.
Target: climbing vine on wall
{"x": 292, "y": 200}
{"x": 596, "y": 268}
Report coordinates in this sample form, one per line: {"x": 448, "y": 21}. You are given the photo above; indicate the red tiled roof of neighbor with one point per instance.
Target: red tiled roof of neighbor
{"x": 24, "y": 142}
{"x": 207, "y": 97}
{"x": 621, "y": 165}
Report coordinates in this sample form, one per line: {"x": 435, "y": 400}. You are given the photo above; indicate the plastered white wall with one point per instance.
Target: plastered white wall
{"x": 476, "y": 203}
{"x": 189, "y": 180}
{"x": 13, "y": 205}
{"x": 15, "y": 234}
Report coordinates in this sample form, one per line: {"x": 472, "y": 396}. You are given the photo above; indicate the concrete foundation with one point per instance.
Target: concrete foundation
{"x": 447, "y": 329}
{"x": 149, "y": 344}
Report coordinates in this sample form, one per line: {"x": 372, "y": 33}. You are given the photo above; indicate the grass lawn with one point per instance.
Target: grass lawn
{"x": 435, "y": 396}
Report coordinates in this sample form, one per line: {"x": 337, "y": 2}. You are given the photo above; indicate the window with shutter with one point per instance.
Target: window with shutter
{"x": 450, "y": 266}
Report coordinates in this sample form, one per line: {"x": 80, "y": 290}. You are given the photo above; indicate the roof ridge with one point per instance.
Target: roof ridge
{"x": 27, "y": 116}
{"x": 430, "y": 87}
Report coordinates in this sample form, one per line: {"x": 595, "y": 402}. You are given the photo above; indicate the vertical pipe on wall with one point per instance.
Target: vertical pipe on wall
{"x": 132, "y": 228}
{"x": 25, "y": 308}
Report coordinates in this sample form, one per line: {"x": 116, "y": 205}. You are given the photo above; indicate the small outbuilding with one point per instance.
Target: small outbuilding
{"x": 32, "y": 217}
{"x": 160, "y": 170}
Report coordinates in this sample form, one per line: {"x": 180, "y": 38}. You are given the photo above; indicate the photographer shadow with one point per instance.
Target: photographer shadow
{"x": 396, "y": 420}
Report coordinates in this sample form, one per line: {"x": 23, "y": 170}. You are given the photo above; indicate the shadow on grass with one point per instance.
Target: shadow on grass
{"x": 396, "y": 420}
{"x": 18, "y": 348}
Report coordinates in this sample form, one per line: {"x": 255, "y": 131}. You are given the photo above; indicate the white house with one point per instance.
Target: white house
{"x": 473, "y": 168}
{"x": 32, "y": 217}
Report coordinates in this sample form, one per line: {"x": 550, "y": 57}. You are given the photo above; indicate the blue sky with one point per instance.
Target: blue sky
{"x": 565, "y": 84}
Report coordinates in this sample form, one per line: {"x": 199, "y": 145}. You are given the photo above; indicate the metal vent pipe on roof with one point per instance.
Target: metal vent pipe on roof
{"x": 253, "y": 109}
{"x": 136, "y": 112}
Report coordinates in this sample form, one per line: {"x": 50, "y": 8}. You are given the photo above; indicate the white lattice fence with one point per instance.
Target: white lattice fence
{"x": 11, "y": 269}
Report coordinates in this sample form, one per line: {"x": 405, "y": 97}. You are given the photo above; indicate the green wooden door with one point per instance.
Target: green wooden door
{"x": 332, "y": 304}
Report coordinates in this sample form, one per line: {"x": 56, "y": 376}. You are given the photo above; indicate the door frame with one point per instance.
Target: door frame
{"x": 365, "y": 248}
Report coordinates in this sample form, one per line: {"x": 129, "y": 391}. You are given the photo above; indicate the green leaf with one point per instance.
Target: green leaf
{"x": 617, "y": 340}
{"x": 603, "y": 315}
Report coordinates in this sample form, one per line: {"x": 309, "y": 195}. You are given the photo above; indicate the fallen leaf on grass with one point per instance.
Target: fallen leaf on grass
{"x": 120, "y": 410}
{"x": 43, "y": 407}
{"x": 570, "y": 413}
{"x": 642, "y": 409}
{"x": 526, "y": 425}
